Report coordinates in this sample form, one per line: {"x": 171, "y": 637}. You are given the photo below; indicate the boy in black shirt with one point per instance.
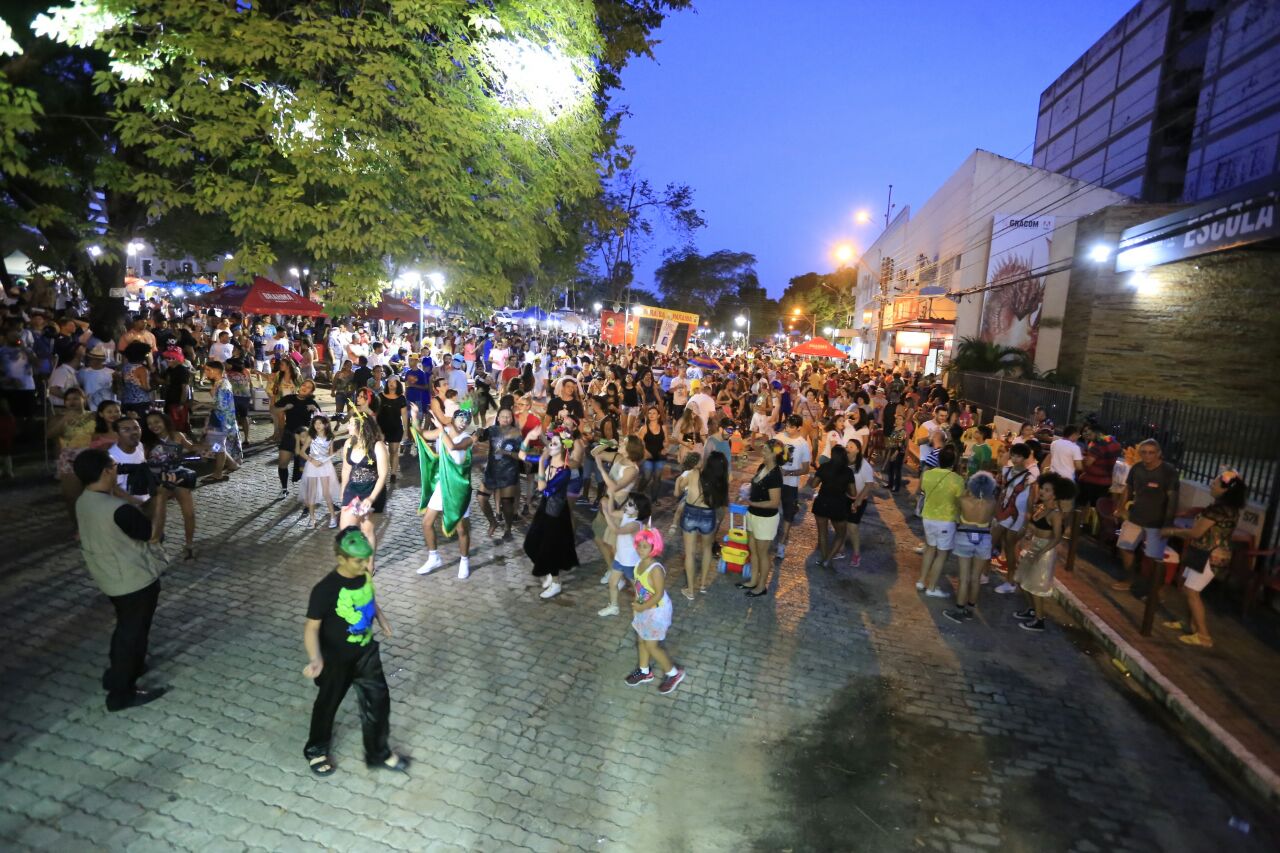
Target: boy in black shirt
{"x": 342, "y": 652}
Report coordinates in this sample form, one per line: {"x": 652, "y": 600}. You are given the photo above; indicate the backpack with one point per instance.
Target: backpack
{"x": 1008, "y": 505}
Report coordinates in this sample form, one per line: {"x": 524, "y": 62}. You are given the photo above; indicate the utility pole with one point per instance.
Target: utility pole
{"x": 885, "y": 278}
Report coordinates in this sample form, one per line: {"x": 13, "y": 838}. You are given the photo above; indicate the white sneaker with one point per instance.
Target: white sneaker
{"x": 622, "y": 584}
{"x": 984, "y": 580}
{"x": 611, "y": 610}
{"x": 333, "y": 522}
{"x": 546, "y": 581}
{"x": 464, "y": 569}
{"x": 782, "y": 552}
{"x": 552, "y": 591}
{"x": 919, "y": 586}
{"x": 311, "y": 524}
{"x": 1006, "y": 588}
{"x": 433, "y": 562}
{"x": 937, "y": 593}
{"x": 604, "y": 581}
{"x": 919, "y": 549}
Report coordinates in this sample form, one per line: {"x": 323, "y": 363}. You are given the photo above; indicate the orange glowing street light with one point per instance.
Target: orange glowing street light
{"x": 862, "y": 217}
{"x": 845, "y": 253}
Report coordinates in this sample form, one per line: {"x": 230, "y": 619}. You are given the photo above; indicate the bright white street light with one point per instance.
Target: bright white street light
{"x": 740, "y": 320}
{"x": 537, "y": 78}
{"x": 862, "y": 217}
{"x": 829, "y": 331}
{"x": 1099, "y": 253}
{"x": 306, "y": 271}
{"x": 134, "y": 247}
{"x": 293, "y": 271}
{"x": 597, "y": 307}
{"x": 436, "y": 278}
{"x": 228, "y": 256}
{"x": 95, "y": 251}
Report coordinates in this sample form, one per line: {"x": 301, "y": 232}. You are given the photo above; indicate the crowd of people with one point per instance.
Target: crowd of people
{"x": 566, "y": 422}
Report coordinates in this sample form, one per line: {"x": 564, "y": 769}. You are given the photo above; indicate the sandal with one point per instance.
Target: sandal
{"x": 188, "y": 553}
{"x": 744, "y": 585}
{"x": 1196, "y": 640}
{"x": 322, "y": 766}
{"x": 688, "y": 593}
{"x": 395, "y": 763}
{"x": 756, "y": 593}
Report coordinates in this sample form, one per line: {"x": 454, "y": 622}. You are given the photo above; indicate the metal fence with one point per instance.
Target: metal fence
{"x": 1199, "y": 441}
{"x": 1016, "y": 398}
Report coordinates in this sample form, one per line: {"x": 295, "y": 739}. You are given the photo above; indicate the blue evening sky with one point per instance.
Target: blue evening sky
{"x": 787, "y": 116}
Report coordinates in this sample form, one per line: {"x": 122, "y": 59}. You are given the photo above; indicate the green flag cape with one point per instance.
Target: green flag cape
{"x": 452, "y": 478}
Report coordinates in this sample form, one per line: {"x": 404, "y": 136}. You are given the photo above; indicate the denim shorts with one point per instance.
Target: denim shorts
{"x": 698, "y": 519}
{"x": 972, "y": 542}
{"x": 628, "y": 572}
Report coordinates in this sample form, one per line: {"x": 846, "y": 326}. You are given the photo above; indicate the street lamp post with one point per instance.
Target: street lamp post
{"x": 745, "y": 319}
{"x": 813, "y": 319}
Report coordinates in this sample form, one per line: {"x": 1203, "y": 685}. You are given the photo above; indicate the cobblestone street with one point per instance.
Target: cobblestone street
{"x": 841, "y": 713}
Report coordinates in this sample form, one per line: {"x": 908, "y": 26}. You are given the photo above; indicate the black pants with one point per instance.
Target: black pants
{"x": 129, "y": 642}
{"x": 893, "y": 472}
{"x": 335, "y": 679}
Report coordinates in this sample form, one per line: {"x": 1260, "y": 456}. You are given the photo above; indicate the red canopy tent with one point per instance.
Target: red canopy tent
{"x": 818, "y": 348}
{"x": 390, "y": 309}
{"x": 262, "y": 297}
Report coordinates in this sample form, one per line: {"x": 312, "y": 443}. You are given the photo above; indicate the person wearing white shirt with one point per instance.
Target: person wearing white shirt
{"x": 795, "y": 464}
{"x": 97, "y": 380}
{"x": 703, "y": 403}
{"x": 63, "y": 378}
{"x": 339, "y": 337}
{"x": 222, "y": 349}
{"x": 128, "y": 450}
{"x": 378, "y": 356}
{"x": 1065, "y": 457}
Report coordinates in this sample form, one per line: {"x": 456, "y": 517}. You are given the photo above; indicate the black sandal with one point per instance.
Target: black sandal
{"x": 401, "y": 764}
{"x": 322, "y": 766}
{"x": 757, "y": 593}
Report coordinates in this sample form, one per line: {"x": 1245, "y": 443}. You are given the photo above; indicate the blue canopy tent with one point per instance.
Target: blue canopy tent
{"x": 531, "y": 313}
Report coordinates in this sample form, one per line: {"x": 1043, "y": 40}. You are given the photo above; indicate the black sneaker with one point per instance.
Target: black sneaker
{"x": 1027, "y": 615}
{"x": 1033, "y": 625}
{"x": 637, "y": 678}
{"x": 137, "y": 700}
{"x": 958, "y": 615}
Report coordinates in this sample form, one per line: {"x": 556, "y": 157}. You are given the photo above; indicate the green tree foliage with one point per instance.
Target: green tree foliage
{"x": 690, "y": 281}
{"x": 827, "y": 296}
{"x": 346, "y": 135}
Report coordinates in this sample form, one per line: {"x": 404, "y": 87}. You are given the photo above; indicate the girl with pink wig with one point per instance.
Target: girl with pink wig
{"x": 652, "y": 618}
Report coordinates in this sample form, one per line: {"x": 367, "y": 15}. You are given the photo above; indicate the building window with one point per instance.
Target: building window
{"x": 146, "y": 267}
{"x": 187, "y": 269}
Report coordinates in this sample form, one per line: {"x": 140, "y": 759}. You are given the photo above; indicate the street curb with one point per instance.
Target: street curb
{"x": 1202, "y": 728}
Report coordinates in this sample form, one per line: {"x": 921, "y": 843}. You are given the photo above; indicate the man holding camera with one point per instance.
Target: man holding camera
{"x": 119, "y": 537}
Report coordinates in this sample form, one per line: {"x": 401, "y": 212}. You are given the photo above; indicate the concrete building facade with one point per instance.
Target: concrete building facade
{"x": 1179, "y": 101}
{"x": 935, "y": 261}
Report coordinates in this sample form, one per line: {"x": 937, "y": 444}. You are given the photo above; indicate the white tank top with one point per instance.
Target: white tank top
{"x": 624, "y": 551}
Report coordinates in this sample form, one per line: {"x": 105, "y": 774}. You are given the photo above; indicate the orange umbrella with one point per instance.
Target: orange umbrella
{"x": 818, "y": 348}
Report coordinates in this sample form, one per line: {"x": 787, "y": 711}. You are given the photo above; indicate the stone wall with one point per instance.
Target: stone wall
{"x": 1204, "y": 331}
